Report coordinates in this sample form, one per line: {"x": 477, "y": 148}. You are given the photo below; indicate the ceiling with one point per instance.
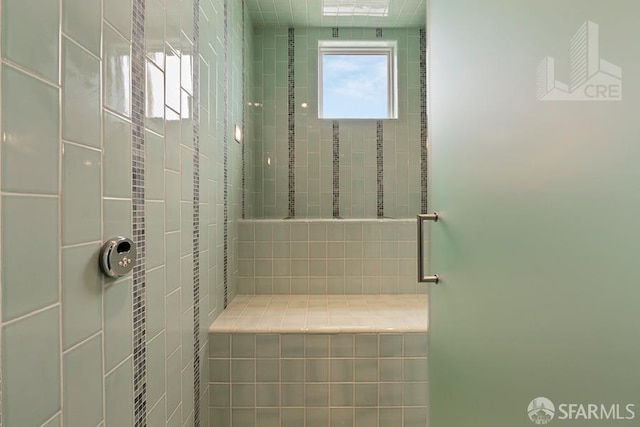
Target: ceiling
{"x": 338, "y": 13}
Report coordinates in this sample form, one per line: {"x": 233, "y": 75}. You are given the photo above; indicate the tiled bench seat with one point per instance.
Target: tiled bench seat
{"x": 320, "y": 361}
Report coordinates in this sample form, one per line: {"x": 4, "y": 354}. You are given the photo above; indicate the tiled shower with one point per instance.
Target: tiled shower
{"x": 117, "y": 118}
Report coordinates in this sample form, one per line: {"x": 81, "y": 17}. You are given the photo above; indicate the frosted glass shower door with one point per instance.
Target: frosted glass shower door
{"x": 536, "y": 316}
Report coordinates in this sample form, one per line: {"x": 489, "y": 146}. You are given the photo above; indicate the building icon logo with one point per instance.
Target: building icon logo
{"x": 541, "y": 411}
{"x": 592, "y": 78}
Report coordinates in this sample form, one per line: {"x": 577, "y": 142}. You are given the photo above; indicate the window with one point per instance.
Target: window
{"x": 357, "y": 80}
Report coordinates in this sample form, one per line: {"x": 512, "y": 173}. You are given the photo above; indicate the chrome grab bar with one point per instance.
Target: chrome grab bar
{"x": 421, "y": 277}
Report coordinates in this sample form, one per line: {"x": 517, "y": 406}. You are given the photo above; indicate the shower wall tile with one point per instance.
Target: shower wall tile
{"x": 119, "y": 395}
{"x": 24, "y": 216}
{"x": 81, "y": 294}
{"x": 30, "y": 36}
{"x": 118, "y": 14}
{"x": 83, "y": 384}
{"x": 31, "y": 357}
{"x": 82, "y": 21}
{"x": 81, "y": 94}
{"x": 31, "y": 119}
{"x": 357, "y": 139}
{"x": 118, "y": 318}
{"x": 314, "y": 375}
{"x": 81, "y": 210}
{"x": 328, "y": 257}
{"x": 68, "y": 92}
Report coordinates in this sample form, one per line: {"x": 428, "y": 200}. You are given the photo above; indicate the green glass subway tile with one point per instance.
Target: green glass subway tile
{"x": 187, "y": 394}
{"x": 156, "y": 414}
{"x": 116, "y": 59}
{"x": 154, "y": 167}
{"x": 155, "y": 235}
{"x": 81, "y": 294}
{"x": 31, "y": 369}
{"x": 81, "y": 20}
{"x": 81, "y": 110}
{"x": 173, "y": 381}
{"x": 187, "y": 340}
{"x": 118, "y": 318}
{"x": 155, "y": 369}
{"x": 172, "y": 261}
{"x": 118, "y": 13}
{"x": 83, "y": 384}
{"x": 116, "y": 156}
{"x": 23, "y": 216}
{"x": 155, "y": 306}
{"x": 54, "y": 422}
{"x": 30, "y": 121}
{"x": 186, "y": 227}
{"x": 31, "y": 36}
{"x": 116, "y": 218}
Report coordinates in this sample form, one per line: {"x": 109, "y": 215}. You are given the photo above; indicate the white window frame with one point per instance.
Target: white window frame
{"x": 358, "y": 47}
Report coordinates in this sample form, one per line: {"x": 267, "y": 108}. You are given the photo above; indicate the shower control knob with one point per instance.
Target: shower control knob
{"x": 117, "y": 256}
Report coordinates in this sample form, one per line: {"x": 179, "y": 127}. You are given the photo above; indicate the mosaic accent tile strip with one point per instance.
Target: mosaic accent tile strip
{"x": 196, "y": 213}
{"x": 292, "y": 123}
{"x": 244, "y": 114}
{"x": 226, "y": 152}
{"x": 379, "y": 33}
{"x": 424, "y": 154}
{"x": 335, "y": 32}
{"x": 380, "y": 167}
{"x": 336, "y": 169}
{"x": 138, "y": 202}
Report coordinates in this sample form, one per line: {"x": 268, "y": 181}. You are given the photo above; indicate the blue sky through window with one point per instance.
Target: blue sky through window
{"x": 355, "y": 86}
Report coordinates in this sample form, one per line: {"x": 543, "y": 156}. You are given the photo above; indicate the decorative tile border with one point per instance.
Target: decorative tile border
{"x": 335, "y": 32}
{"x": 138, "y": 195}
{"x": 379, "y": 33}
{"x": 196, "y": 213}
{"x": 380, "y": 167}
{"x": 336, "y": 169}
{"x": 424, "y": 154}
{"x": 226, "y": 153}
{"x": 292, "y": 122}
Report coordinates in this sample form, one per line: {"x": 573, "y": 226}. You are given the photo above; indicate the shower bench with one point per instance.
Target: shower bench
{"x": 319, "y": 361}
